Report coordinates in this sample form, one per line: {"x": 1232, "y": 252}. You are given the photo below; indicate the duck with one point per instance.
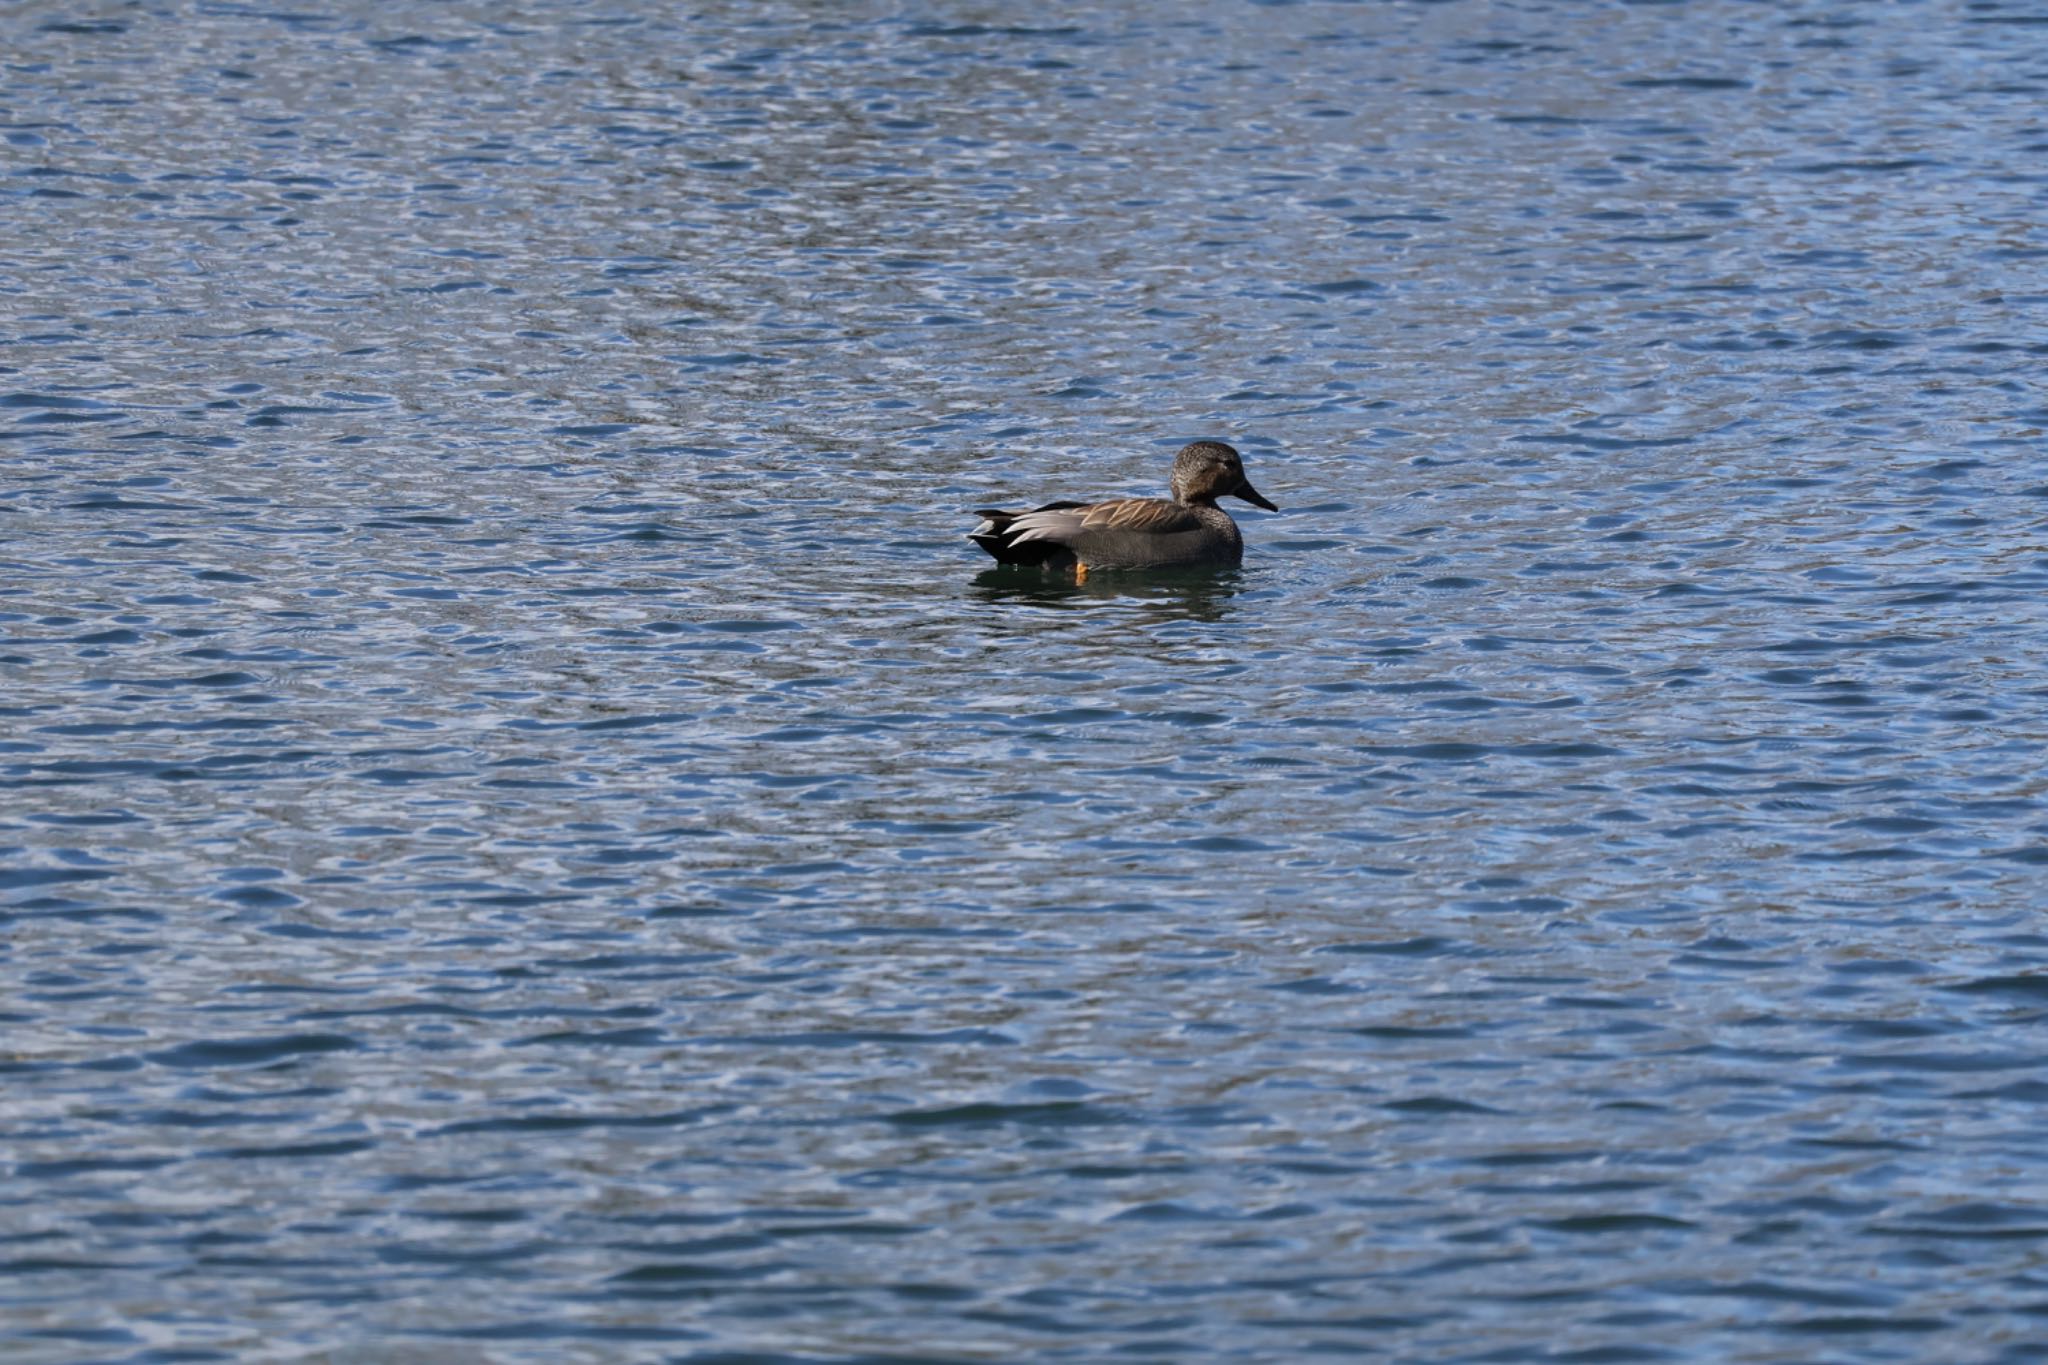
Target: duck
{"x": 1186, "y": 531}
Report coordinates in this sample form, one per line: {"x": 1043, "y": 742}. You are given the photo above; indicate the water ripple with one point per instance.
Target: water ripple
{"x": 516, "y": 783}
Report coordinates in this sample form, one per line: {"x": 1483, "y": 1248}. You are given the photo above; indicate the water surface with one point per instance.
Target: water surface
{"x": 526, "y": 830}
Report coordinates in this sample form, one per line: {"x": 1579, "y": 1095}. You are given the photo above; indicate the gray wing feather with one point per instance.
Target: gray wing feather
{"x": 1141, "y": 516}
{"x": 1053, "y": 524}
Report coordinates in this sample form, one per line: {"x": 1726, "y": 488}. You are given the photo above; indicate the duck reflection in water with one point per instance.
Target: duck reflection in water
{"x": 1181, "y": 594}
{"x": 1186, "y": 531}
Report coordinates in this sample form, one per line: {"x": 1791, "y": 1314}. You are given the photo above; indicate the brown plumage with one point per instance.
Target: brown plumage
{"x": 1133, "y": 533}
{"x": 1155, "y": 516}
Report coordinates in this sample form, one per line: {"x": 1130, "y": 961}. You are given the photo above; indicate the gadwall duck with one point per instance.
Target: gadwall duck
{"x": 1190, "y": 531}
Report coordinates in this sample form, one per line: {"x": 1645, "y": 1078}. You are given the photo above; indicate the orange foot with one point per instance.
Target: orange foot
{"x": 1080, "y": 572}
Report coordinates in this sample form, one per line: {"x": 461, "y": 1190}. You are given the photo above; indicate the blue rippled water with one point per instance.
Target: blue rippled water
{"x": 526, "y": 833}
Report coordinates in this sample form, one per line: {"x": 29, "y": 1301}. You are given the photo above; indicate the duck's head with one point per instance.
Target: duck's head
{"x": 1207, "y": 470}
